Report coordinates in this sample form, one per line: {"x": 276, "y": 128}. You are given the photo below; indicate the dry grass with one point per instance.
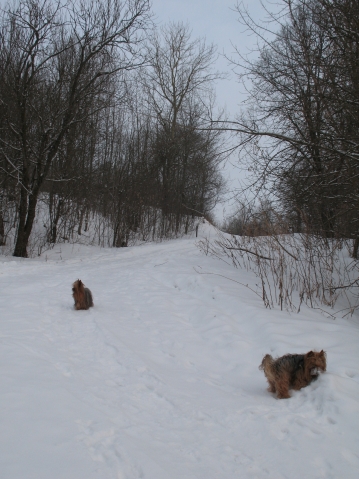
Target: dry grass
{"x": 293, "y": 269}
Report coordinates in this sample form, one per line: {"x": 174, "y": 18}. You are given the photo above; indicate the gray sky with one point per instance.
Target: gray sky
{"x": 216, "y": 21}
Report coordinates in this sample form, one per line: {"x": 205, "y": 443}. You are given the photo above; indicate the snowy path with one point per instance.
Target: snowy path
{"x": 160, "y": 379}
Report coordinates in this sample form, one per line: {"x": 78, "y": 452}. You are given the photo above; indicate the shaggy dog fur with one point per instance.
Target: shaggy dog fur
{"x": 81, "y": 295}
{"x": 292, "y": 371}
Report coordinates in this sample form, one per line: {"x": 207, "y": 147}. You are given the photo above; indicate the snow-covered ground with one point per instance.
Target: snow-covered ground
{"x": 160, "y": 379}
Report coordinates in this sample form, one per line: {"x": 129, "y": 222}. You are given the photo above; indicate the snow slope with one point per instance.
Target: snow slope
{"x": 160, "y": 379}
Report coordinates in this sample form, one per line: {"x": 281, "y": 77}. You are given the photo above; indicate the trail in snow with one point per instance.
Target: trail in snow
{"x": 160, "y": 379}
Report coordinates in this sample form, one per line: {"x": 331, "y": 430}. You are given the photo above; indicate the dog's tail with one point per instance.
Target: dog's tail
{"x": 267, "y": 361}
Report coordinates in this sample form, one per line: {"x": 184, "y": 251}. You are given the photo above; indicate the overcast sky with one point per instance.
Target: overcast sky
{"x": 217, "y": 22}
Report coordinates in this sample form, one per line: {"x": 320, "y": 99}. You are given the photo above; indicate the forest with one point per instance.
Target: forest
{"x": 102, "y": 120}
{"x": 106, "y": 118}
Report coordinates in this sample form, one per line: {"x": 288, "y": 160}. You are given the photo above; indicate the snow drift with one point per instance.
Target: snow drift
{"x": 160, "y": 379}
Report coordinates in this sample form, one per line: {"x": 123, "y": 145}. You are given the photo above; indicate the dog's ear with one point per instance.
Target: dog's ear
{"x": 310, "y": 354}
{"x": 322, "y": 353}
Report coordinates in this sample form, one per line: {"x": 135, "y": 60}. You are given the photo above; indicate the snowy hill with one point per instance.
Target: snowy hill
{"x": 160, "y": 379}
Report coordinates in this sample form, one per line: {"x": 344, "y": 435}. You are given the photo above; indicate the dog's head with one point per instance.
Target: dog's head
{"x": 316, "y": 360}
{"x": 78, "y": 286}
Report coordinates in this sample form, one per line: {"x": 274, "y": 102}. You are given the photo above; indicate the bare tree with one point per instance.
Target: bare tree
{"x": 57, "y": 60}
{"x": 298, "y": 133}
{"x": 300, "y": 139}
{"x": 180, "y": 73}
{"x": 179, "y": 89}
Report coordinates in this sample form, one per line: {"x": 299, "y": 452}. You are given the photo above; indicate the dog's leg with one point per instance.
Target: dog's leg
{"x": 282, "y": 386}
{"x": 271, "y": 387}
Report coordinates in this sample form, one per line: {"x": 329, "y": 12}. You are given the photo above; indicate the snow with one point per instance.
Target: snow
{"x": 160, "y": 379}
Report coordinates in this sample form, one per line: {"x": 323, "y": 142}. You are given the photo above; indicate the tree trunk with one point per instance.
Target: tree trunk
{"x": 53, "y": 236}
{"x": 356, "y": 247}
{"x": 21, "y": 241}
{"x": 2, "y": 230}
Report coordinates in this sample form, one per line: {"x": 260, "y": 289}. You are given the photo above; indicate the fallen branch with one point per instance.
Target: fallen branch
{"x": 249, "y": 251}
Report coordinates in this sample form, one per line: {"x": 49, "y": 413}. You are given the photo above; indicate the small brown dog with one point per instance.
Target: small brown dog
{"x": 292, "y": 371}
{"x": 81, "y": 295}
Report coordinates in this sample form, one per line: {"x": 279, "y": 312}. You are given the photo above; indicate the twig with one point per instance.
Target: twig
{"x": 345, "y": 286}
{"x": 249, "y": 251}
{"x": 160, "y": 264}
{"x": 280, "y": 244}
{"x": 230, "y": 279}
{"x": 201, "y": 213}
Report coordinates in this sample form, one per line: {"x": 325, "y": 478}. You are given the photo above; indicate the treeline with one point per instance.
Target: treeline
{"x": 300, "y": 134}
{"x": 102, "y": 114}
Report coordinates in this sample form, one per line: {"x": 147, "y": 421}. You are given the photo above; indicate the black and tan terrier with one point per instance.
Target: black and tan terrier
{"x": 292, "y": 371}
{"x": 81, "y": 295}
